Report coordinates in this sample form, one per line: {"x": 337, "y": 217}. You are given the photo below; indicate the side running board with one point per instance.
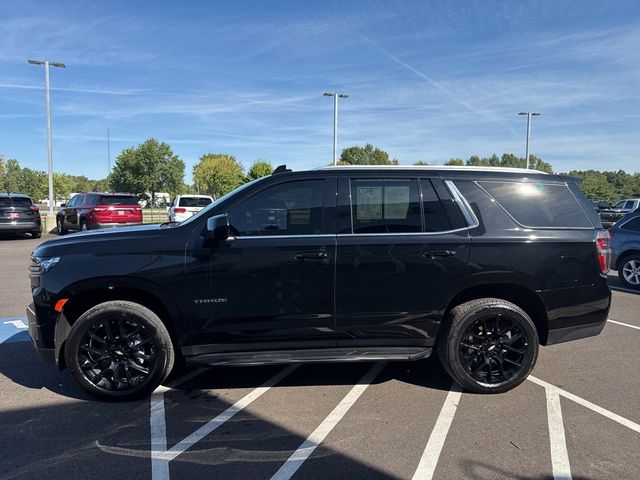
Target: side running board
{"x": 311, "y": 356}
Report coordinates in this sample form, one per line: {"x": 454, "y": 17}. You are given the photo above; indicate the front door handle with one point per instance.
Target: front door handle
{"x": 432, "y": 254}
{"x": 311, "y": 255}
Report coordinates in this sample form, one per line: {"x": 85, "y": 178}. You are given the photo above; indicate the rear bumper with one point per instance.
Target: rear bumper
{"x": 20, "y": 226}
{"x": 113, "y": 224}
{"x": 576, "y": 312}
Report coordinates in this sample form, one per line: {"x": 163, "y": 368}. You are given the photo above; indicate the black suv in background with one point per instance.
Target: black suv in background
{"x": 18, "y": 214}
{"x": 335, "y": 264}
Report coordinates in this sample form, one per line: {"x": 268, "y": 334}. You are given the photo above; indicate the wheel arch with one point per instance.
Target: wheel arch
{"x": 623, "y": 255}
{"x": 83, "y": 300}
{"x": 519, "y": 295}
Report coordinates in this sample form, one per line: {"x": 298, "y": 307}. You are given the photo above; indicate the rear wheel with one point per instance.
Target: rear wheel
{"x": 83, "y": 225}
{"x": 488, "y": 345}
{"x": 60, "y": 226}
{"x": 119, "y": 350}
{"x": 36, "y": 234}
{"x": 629, "y": 271}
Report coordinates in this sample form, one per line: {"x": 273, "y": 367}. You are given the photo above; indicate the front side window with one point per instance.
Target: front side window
{"x": 385, "y": 206}
{"x": 629, "y": 205}
{"x": 292, "y": 208}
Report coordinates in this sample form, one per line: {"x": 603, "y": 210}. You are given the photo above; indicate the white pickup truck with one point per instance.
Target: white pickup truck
{"x": 611, "y": 215}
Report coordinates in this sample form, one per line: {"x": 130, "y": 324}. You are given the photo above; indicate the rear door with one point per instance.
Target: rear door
{"x": 70, "y": 212}
{"x": 397, "y": 262}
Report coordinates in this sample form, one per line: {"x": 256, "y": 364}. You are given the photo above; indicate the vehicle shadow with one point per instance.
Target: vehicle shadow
{"x": 20, "y": 363}
{"x": 616, "y": 285}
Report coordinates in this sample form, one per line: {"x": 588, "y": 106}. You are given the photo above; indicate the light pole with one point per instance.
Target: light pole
{"x": 47, "y": 99}
{"x": 529, "y": 115}
{"x": 335, "y": 122}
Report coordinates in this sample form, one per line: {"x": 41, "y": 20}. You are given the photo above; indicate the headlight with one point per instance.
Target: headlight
{"x": 40, "y": 265}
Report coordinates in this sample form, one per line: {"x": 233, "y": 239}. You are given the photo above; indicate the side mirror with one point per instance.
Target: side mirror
{"x": 218, "y": 227}
{"x": 63, "y": 205}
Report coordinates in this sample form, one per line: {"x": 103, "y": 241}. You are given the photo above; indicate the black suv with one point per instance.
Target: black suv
{"x": 18, "y": 214}
{"x": 335, "y": 264}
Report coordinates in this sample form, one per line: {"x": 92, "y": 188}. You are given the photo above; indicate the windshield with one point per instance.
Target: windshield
{"x": 220, "y": 200}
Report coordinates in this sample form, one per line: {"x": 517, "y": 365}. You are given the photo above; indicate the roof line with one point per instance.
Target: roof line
{"x": 433, "y": 167}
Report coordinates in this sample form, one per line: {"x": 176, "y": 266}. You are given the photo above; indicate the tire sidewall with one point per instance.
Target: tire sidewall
{"x": 460, "y": 325}
{"x": 130, "y": 310}
{"x": 623, "y": 262}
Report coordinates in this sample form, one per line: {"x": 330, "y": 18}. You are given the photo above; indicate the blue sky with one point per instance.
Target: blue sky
{"x": 428, "y": 80}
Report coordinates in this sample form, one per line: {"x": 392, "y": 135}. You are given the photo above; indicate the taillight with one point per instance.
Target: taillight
{"x": 180, "y": 210}
{"x": 100, "y": 209}
{"x": 603, "y": 249}
{"x": 33, "y": 208}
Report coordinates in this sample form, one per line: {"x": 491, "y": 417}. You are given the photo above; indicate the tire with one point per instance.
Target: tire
{"x": 83, "y": 225}
{"x": 119, "y": 351}
{"x": 36, "y": 234}
{"x": 481, "y": 354}
{"x": 629, "y": 271}
{"x": 60, "y": 226}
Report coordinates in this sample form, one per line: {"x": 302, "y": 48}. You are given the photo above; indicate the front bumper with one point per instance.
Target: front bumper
{"x": 42, "y": 341}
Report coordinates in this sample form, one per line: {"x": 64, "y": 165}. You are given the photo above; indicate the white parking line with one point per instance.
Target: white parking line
{"x": 295, "y": 461}
{"x": 431, "y": 454}
{"x": 585, "y": 403}
{"x": 559, "y": 455}
{"x": 623, "y": 324}
{"x": 160, "y": 456}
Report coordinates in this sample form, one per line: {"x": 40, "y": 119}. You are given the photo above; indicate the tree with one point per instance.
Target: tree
{"x": 150, "y": 167}
{"x": 217, "y": 174}
{"x": 260, "y": 168}
{"x": 420, "y": 162}
{"x": 12, "y": 176}
{"x": 458, "y": 162}
{"x": 62, "y": 185}
{"x": 367, "y": 155}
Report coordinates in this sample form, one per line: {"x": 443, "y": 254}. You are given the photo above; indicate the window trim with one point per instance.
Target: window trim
{"x": 531, "y": 227}
{"x": 467, "y": 212}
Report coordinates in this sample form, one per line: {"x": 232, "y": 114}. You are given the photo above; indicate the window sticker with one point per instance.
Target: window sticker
{"x": 369, "y": 201}
{"x": 396, "y": 202}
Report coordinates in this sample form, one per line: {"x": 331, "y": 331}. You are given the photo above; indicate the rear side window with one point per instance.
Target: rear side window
{"x": 117, "y": 200}
{"x": 440, "y": 210}
{"x": 632, "y": 225}
{"x": 629, "y": 204}
{"x": 194, "y": 202}
{"x": 292, "y": 208}
{"x": 385, "y": 206}
{"x": 15, "y": 202}
{"x": 538, "y": 204}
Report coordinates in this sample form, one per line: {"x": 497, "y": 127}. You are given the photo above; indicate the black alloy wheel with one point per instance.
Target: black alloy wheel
{"x": 488, "y": 345}
{"x": 493, "y": 348}
{"x": 119, "y": 350}
{"x": 117, "y": 354}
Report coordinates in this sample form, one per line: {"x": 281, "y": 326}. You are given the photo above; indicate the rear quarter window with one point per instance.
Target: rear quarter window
{"x": 541, "y": 205}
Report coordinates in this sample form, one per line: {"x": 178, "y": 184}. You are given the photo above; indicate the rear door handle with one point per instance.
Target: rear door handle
{"x": 311, "y": 255}
{"x": 432, "y": 254}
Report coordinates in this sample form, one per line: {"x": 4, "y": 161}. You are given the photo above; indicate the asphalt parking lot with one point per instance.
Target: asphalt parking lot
{"x": 577, "y": 417}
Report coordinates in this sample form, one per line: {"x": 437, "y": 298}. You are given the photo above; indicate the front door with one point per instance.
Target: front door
{"x": 270, "y": 286}
{"x": 397, "y": 262}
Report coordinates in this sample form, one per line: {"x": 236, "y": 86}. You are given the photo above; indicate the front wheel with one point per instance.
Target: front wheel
{"x": 119, "y": 350}
{"x": 60, "y": 226}
{"x": 629, "y": 271}
{"x": 488, "y": 345}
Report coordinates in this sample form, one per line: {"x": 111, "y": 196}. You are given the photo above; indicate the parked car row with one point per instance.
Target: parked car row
{"x": 610, "y": 215}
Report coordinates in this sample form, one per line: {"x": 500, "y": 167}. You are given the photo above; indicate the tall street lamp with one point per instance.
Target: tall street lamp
{"x": 529, "y": 115}
{"x": 335, "y": 122}
{"x": 47, "y": 100}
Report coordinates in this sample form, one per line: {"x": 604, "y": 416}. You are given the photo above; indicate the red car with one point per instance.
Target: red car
{"x": 87, "y": 211}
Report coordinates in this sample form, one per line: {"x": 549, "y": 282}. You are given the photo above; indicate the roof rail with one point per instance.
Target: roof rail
{"x": 281, "y": 169}
{"x": 433, "y": 167}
